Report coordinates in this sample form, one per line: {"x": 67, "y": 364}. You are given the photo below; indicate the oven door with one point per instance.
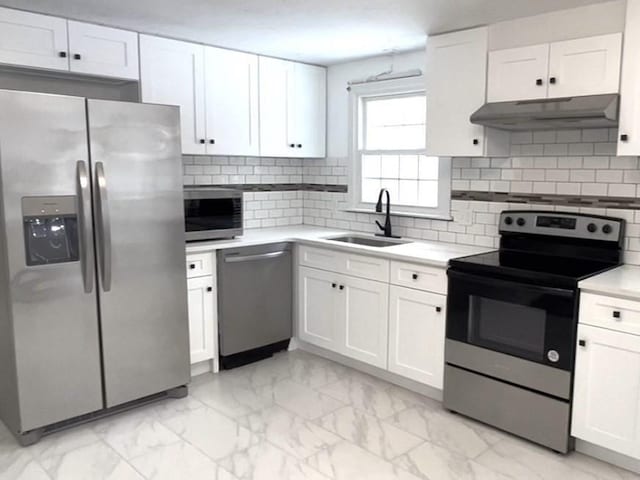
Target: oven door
{"x": 527, "y": 321}
{"x": 209, "y": 218}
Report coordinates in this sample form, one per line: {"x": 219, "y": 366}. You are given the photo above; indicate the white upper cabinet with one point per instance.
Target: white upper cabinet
{"x": 231, "y": 86}
{"x": 103, "y": 51}
{"x": 172, "y": 73}
{"x": 606, "y": 407}
{"x": 629, "y": 123}
{"x": 292, "y": 109}
{"x": 584, "y": 66}
{"x": 31, "y": 40}
{"x": 517, "y": 73}
{"x": 456, "y": 85}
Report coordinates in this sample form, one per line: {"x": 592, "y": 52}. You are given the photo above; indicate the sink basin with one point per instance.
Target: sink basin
{"x": 368, "y": 241}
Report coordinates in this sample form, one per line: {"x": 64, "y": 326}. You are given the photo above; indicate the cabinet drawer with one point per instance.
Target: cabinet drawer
{"x": 319, "y": 258}
{"x": 356, "y": 265}
{"x": 421, "y": 277}
{"x": 610, "y": 312}
{"x": 199, "y": 265}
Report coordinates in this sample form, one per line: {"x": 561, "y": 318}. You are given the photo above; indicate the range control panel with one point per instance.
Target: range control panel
{"x": 560, "y": 224}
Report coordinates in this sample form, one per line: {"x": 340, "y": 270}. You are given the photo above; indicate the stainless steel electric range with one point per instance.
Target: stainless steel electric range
{"x": 512, "y": 320}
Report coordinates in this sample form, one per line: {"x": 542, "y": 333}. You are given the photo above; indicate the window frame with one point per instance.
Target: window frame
{"x": 357, "y": 98}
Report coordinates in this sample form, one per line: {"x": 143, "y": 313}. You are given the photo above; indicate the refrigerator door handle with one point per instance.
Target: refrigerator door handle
{"x": 84, "y": 208}
{"x": 103, "y": 226}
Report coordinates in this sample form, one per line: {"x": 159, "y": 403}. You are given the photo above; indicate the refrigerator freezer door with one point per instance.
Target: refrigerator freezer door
{"x": 53, "y": 311}
{"x": 138, "y": 208}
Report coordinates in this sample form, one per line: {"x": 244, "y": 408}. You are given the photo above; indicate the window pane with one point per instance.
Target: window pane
{"x": 370, "y": 166}
{"x": 428, "y": 168}
{"x": 409, "y": 166}
{"x": 408, "y": 192}
{"x": 390, "y": 166}
{"x": 428, "y": 193}
{"x": 370, "y": 190}
{"x": 396, "y": 123}
{"x": 392, "y": 186}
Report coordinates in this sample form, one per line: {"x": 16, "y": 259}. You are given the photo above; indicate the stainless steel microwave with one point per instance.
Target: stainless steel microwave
{"x": 212, "y": 213}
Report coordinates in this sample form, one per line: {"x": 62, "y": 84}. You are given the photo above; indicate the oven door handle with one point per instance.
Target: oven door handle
{"x": 499, "y": 283}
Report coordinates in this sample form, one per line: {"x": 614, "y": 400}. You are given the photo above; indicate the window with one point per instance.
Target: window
{"x": 388, "y": 151}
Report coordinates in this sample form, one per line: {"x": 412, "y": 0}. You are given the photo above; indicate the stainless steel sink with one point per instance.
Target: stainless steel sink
{"x": 368, "y": 241}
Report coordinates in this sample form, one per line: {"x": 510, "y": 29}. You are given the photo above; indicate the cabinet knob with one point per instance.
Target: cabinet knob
{"x": 192, "y": 266}
{"x": 476, "y": 141}
{"x": 292, "y": 145}
{"x": 209, "y": 289}
{"x": 582, "y": 343}
{"x": 616, "y": 314}
{"x": 62, "y": 54}
{"x": 552, "y": 80}
{"x": 299, "y": 145}
{"x": 341, "y": 287}
{"x": 624, "y": 137}
{"x": 212, "y": 141}
{"x": 334, "y": 285}
{"x": 202, "y": 140}
{"x": 77, "y": 56}
{"x": 538, "y": 81}
{"x": 414, "y": 276}
{"x": 438, "y": 309}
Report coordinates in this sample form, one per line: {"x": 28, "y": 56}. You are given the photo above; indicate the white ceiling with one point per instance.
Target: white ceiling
{"x": 314, "y": 31}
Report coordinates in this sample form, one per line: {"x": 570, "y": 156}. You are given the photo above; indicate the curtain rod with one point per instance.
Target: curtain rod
{"x": 385, "y": 76}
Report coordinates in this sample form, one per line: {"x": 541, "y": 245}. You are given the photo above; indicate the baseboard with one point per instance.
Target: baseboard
{"x": 608, "y": 456}
{"x": 403, "y": 382}
{"x": 201, "y": 368}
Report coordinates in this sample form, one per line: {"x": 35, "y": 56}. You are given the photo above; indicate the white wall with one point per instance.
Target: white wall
{"x": 338, "y": 97}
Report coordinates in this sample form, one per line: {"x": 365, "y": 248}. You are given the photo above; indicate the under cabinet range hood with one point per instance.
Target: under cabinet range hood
{"x": 589, "y": 111}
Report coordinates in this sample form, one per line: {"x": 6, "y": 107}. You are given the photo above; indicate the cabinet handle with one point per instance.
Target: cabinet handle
{"x": 202, "y": 140}
{"x": 438, "y": 309}
{"x": 616, "y": 314}
{"x": 209, "y": 289}
{"x": 212, "y": 141}
{"x": 414, "y": 276}
{"x": 538, "y": 81}
{"x": 192, "y": 266}
{"x": 341, "y": 287}
{"x": 77, "y": 56}
{"x": 624, "y": 137}
{"x": 334, "y": 285}
{"x": 476, "y": 141}
{"x": 582, "y": 343}
{"x": 552, "y": 80}
{"x": 62, "y": 54}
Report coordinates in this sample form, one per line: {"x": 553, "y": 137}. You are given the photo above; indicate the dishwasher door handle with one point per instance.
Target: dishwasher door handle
{"x": 250, "y": 258}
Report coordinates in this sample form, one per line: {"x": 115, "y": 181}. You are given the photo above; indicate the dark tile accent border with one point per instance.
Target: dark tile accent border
{"x": 627, "y": 203}
{"x": 279, "y": 187}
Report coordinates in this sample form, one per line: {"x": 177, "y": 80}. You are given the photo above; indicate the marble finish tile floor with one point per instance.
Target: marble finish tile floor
{"x": 295, "y": 416}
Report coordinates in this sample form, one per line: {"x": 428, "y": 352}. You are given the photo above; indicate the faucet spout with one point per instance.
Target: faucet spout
{"x": 386, "y": 229}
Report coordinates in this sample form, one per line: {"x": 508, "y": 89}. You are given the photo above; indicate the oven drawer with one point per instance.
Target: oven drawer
{"x": 610, "y": 312}
{"x": 199, "y": 265}
{"x": 372, "y": 268}
{"x": 421, "y": 277}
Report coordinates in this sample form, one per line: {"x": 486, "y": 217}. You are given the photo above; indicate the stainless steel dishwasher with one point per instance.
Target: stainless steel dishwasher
{"x": 254, "y": 302}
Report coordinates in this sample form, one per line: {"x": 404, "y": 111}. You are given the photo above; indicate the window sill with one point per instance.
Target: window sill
{"x": 446, "y": 218}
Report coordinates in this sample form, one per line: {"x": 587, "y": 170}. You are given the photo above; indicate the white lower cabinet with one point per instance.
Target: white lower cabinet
{"x": 203, "y": 316}
{"x": 606, "y": 406}
{"x": 317, "y": 305}
{"x": 362, "y": 314}
{"x": 416, "y": 335}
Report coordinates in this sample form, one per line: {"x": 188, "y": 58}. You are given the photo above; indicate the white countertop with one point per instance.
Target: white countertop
{"x": 430, "y": 253}
{"x": 623, "y": 281}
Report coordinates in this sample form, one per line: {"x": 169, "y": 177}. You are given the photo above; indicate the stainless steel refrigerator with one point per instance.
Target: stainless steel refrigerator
{"x": 93, "y": 307}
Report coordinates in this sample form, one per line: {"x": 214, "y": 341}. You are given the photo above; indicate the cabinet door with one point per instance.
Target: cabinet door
{"x": 518, "y": 73}
{"x": 586, "y": 66}
{"x": 276, "y": 81}
{"x": 307, "y": 115}
{"x": 606, "y": 405}
{"x": 317, "y": 316}
{"x": 202, "y": 319}
{"x": 629, "y": 127}
{"x": 416, "y": 335}
{"x": 104, "y": 51}
{"x": 32, "y": 40}
{"x": 362, "y": 311}
{"x": 456, "y": 80}
{"x": 172, "y": 73}
{"x": 232, "y": 102}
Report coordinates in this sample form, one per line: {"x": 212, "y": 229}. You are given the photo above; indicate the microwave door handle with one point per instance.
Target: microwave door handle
{"x": 104, "y": 226}
{"x": 498, "y": 283}
{"x": 84, "y": 220}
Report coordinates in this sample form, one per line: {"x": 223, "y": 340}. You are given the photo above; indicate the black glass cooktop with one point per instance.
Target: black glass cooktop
{"x": 531, "y": 264}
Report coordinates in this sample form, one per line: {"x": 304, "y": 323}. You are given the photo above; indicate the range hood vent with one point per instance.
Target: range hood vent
{"x": 589, "y": 111}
